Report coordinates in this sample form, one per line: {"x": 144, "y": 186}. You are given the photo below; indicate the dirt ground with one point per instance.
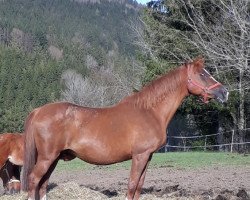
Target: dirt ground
{"x": 218, "y": 183}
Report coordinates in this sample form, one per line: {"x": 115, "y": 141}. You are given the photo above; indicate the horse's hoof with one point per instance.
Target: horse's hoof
{"x": 6, "y": 193}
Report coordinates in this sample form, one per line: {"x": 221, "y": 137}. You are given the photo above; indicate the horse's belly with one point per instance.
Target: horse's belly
{"x": 102, "y": 157}
{"x": 100, "y": 148}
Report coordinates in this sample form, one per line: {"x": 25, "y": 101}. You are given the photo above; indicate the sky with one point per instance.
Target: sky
{"x": 142, "y": 1}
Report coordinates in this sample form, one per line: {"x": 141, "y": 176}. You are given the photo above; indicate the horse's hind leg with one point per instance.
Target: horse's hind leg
{"x": 137, "y": 174}
{"x": 45, "y": 180}
{"x": 40, "y": 169}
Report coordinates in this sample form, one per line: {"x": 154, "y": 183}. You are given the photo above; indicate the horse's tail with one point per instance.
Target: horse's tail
{"x": 30, "y": 153}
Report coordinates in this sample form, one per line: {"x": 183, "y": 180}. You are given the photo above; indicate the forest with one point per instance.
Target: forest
{"x": 43, "y": 42}
{"x": 220, "y": 32}
{"x": 94, "y": 53}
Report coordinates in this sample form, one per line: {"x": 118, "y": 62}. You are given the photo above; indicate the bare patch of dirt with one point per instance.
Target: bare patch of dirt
{"x": 217, "y": 183}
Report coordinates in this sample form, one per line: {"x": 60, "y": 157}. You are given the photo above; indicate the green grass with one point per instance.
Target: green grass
{"x": 177, "y": 160}
{"x": 199, "y": 159}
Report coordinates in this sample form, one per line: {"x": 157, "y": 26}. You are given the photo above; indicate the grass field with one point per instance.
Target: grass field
{"x": 177, "y": 160}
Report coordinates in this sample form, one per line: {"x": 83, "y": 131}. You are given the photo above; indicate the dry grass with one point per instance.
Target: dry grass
{"x": 72, "y": 191}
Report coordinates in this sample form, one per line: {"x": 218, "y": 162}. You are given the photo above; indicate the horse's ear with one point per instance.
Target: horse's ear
{"x": 199, "y": 62}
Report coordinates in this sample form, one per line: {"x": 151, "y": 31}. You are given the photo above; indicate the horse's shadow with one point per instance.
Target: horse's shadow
{"x": 51, "y": 186}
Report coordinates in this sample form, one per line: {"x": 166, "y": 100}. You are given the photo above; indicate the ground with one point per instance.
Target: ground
{"x": 214, "y": 182}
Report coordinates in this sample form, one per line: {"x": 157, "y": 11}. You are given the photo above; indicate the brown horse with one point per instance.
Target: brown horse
{"x": 133, "y": 129}
{"x": 11, "y": 160}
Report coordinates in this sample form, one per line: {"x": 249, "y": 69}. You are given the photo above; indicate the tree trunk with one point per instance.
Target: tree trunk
{"x": 241, "y": 119}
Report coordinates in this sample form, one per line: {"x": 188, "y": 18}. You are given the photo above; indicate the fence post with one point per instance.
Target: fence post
{"x": 232, "y": 141}
{"x": 205, "y": 147}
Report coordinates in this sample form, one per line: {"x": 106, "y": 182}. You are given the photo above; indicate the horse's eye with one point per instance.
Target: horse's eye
{"x": 202, "y": 74}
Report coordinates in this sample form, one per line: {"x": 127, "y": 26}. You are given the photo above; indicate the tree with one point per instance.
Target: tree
{"x": 105, "y": 85}
{"x": 222, "y": 33}
{"x": 218, "y": 30}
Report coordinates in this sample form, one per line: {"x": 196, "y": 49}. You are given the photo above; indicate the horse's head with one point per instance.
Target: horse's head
{"x": 201, "y": 83}
{"x": 10, "y": 175}
{"x": 13, "y": 187}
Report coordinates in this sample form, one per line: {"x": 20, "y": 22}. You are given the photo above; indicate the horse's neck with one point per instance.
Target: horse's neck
{"x": 166, "y": 108}
{"x": 163, "y": 96}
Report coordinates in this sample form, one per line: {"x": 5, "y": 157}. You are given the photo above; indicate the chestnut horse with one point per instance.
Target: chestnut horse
{"x": 132, "y": 129}
{"x": 11, "y": 160}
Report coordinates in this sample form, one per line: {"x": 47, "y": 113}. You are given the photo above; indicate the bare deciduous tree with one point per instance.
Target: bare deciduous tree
{"x": 103, "y": 87}
{"x": 222, "y": 34}
{"x": 220, "y": 31}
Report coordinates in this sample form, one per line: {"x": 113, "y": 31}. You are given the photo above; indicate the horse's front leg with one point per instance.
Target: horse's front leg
{"x": 137, "y": 175}
{"x": 141, "y": 181}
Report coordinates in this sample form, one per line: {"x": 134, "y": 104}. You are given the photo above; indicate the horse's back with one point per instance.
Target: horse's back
{"x": 9, "y": 136}
{"x": 11, "y": 140}
{"x": 11, "y": 148}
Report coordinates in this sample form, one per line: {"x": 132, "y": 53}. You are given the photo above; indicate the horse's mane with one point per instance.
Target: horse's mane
{"x": 157, "y": 90}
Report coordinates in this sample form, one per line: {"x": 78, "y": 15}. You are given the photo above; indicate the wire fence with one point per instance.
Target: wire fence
{"x": 230, "y": 145}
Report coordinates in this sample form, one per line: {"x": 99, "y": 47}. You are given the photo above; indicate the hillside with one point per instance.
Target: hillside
{"x": 104, "y": 23}
{"x": 44, "y": 41}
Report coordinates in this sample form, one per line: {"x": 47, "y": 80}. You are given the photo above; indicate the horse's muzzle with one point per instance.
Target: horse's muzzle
{"x": 220, "y": 94}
